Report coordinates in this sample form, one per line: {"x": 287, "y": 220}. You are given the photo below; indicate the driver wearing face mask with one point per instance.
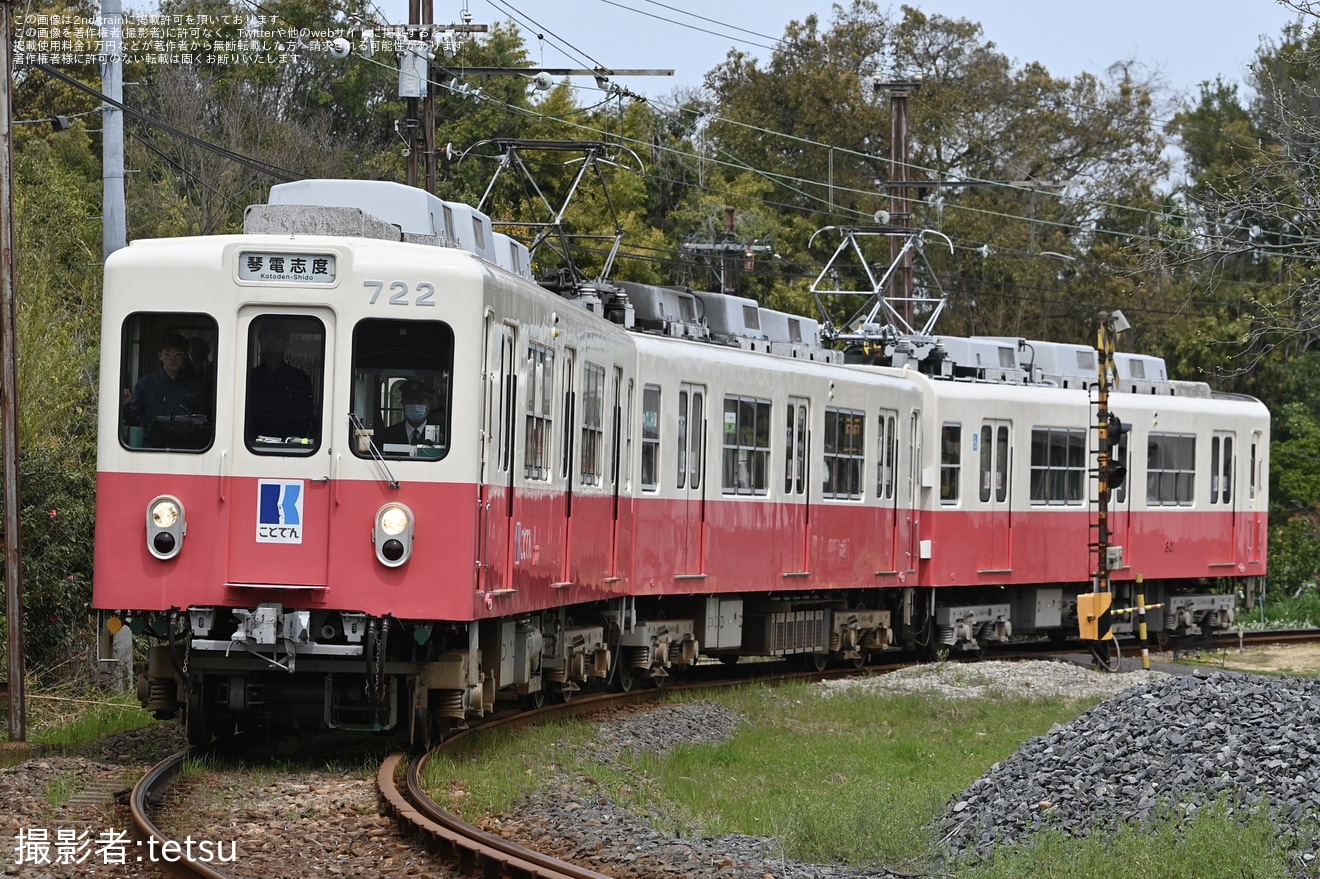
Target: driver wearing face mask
{"x": 412, "y": 430}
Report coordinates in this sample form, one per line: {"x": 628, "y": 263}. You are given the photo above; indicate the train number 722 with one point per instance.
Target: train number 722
{"x": 400, "y": 293}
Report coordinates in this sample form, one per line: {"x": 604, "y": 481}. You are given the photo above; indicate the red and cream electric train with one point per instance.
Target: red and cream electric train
{"x": 357, "y": 469}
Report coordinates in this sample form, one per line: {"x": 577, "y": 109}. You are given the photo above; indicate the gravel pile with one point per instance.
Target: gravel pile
{"x": 1172, "y": 745}
{"x": 995, "y": 679}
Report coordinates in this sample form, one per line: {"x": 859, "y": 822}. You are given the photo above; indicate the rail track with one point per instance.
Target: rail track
{"x": 476, "y": 852}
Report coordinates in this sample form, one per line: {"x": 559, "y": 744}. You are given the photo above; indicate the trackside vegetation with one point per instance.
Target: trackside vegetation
{"x": 882, "y": 768}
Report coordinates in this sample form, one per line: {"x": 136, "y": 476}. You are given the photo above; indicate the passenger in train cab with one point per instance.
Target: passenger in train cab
{"x": 279, "y": 401}
{"x": 413, "y": 430}
{"x": 171, "y": 393}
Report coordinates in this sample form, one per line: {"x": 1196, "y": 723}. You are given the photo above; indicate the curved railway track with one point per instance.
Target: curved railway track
{"x": 150, "y": 789}
{"x": 479, "y": 853}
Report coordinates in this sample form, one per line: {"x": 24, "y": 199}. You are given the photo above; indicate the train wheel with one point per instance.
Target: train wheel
{"x": 729, "y": 658}
{"x": 859, "y": 662}
{"x": 533, "y": 701}
{"x": 815, "y": 661}
{"x": 659, "y": 682}
{"x": 419, "y": 740}
{"x": 627, "y": 678}
{"x": 562, "y": 693}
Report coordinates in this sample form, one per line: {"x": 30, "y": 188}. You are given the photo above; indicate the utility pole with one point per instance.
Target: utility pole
{"x": 9, "y": 390}
{"x": 900, "y": 159}
{"x": 729, "y": 250}
{"x": 114, "y": 222}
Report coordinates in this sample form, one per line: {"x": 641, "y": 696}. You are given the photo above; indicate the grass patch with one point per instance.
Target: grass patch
{"x": 66, "y": 721}
{"x": 508, "y": 764}
{"x": 61, "y": 790}
{"x": 854, "y": 780}
{"x": 1213, "y": 844}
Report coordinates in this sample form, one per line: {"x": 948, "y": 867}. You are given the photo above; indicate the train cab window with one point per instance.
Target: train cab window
{"x": 746, "y": 445}
{"x": 285, "y": 386}
{"x": 845, "y": 444}
{"x": 950, "y": 462}
{"x": 168, "y": 381}
{"x": 400, "y": 399}
{"x": 650, "y": 438}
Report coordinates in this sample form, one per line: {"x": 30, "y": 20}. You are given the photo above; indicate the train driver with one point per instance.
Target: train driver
{"x": 169, "y": 394}
{"x": 413, "y": 430}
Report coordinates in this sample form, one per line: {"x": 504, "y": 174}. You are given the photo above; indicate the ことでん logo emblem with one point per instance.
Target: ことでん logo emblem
{"x": 280, "y": 511}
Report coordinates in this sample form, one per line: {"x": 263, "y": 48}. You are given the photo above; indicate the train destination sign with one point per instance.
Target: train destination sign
{"x": 300, "y": 268}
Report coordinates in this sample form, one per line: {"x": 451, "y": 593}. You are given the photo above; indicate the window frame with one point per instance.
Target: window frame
{"x": 844, "y": 459}
{"x": 746, "y": 446}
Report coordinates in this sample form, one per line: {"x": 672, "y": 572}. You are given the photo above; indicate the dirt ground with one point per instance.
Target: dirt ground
{"x": 1302, "y": 660}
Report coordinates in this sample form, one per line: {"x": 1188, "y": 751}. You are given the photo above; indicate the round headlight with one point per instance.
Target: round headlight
{"x": 164, "y": 543}
{"x": 165, "y": 513}
{"x": 393, "y": 520}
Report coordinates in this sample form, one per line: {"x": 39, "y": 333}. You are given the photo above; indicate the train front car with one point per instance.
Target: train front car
{"x": 288, "y": 473}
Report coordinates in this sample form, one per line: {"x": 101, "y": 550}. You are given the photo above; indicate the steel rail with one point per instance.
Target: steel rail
{"x": 150, "y": 788}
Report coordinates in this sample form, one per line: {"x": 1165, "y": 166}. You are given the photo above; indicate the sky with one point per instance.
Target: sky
{"x": 1188, "y": 41}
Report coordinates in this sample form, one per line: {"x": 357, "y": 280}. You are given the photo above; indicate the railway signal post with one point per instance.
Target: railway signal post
{"x": 1093, "y": 610}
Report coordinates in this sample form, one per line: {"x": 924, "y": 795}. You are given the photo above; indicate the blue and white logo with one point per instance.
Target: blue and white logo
{"x": 280, "y": 511}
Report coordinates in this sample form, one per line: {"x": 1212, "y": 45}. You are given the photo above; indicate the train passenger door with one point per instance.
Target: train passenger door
{"x": 496, "y": 497}
{"x": 620, "y": 462}
{"x": 995, "y": 496}
{"x": 566, "y": 462}
{"x": 279, "y": 493}
{"x": 690, "y": 518}
{"x": 887, "y": 493}
{"x": 1252, "y": 504}
{"x": 1223, "y": 495}
{"x": 908, "y": 531}
{"x": 796, "y": 500}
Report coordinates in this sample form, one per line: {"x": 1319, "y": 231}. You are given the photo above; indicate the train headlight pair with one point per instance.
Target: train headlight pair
{"x": 393, "y": 535}
{"x": 166, "y": 526}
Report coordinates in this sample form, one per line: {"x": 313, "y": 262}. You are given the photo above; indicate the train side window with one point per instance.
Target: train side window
{"x": 402, "y": 388}
{"x": 987, "y": 453}
{"x": 1170, "y": 469}
{"x": 844, "y": 451}
{"x": 593, "y": 415}
{"x": 540, "y": 394}
{"x": 887, "y": 459}
{"x": 570, "y": 401}
{"x": 1221, "y": 477}
{"x": 168, "y": 381}
{"x": 795, "y": 457}
{"x": 1214, "y": 469}
{"x": 650, "y": 438}
{"x": 285, "y": 367}
{"x": 950, "y": 462}
{"x": 1058, "y": 465}
{"x": 746, "y": 445}
{"x": 682, "y": 438}
{"x": 1120, "y": 456}
{"x": 1227, "y": 484}
{"x": 697, "y": 432}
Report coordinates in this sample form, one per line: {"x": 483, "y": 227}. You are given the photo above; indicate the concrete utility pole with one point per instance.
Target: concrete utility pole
{"x": 114, "y": 220}
{"x": 9, "y": 390}
{"x": 730, "y": 250}
{"x": 900, "y": 159}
